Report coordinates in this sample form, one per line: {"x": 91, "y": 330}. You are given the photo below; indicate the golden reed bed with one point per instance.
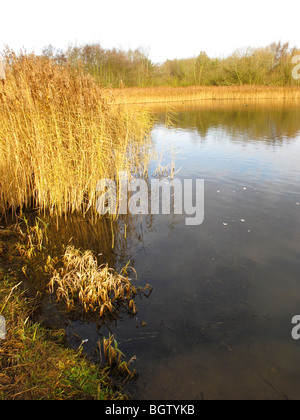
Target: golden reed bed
{"x": 196, "y": 93}
{"x": 59, "y": 137}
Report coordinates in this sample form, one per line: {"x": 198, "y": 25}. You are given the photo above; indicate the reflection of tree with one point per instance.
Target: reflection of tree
{"x": 269, "y": 123}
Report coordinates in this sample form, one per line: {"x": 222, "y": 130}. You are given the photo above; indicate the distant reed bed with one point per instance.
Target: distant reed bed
{"x": 196, "y": 93}
{"x": 59, "y": 136}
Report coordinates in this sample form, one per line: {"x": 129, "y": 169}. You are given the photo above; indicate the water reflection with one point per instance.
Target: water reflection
{"x": 265, "y": 121}
{"x": 218, "y": 324}
{"x": 225, "y": 292}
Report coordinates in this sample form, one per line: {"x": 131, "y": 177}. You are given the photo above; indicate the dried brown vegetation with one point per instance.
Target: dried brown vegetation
{"x": 81, "y": 282}
{"x": 59, "y": 136}
{"x": 200, "y": 93}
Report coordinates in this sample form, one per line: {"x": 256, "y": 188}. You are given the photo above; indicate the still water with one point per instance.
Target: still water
{"x": 218, "y": 323}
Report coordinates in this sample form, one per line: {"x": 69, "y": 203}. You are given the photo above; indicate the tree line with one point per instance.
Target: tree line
{"x": 271, "y": 65}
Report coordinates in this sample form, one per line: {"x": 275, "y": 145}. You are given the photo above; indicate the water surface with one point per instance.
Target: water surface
{"x": 218, "y": 323}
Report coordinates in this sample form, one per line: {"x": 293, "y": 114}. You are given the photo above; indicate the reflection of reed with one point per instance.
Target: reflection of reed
{"x": 108, "y": 239}
{"x": 267, "y": 121}
{"x": 88, "y": 261}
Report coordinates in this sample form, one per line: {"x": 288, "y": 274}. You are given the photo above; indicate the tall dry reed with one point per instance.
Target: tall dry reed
{"x": 59, "y": 136}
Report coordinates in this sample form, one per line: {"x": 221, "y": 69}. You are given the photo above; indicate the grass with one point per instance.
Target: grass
{"x": 35, "y": 364}
{"x": 76, "y": 277}
{"x": 34, "y": 360}
{"x": 115, "y": 358}
{"x": 60, "y": 136}
{"x": 35, "y": 236}
{"x": 196, "y": 93}
{"x": 81, "y": 282}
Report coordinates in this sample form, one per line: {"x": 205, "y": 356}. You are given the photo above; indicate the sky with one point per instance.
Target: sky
{"x": 166, "y": 29}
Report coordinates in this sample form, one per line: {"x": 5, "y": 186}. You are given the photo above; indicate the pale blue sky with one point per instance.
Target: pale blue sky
{"x": 166, "y": 28}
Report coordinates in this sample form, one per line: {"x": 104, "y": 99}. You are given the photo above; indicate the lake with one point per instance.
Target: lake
{"x": 218, "y": 322}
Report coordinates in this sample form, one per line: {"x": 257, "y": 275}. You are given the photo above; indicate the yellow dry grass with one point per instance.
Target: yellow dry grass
{"x": 34, "y": 362}
{"x": 81, "y": 282}
{"x": 59, "y": 136}
{"x": 197, "y": 93}
{"x": 114, "y": 357}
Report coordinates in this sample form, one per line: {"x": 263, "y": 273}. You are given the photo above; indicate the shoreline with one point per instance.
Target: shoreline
{"x": 150, "y": 95}
{"x": 60, "y": 137}
{"x": 36, "y": 361}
